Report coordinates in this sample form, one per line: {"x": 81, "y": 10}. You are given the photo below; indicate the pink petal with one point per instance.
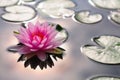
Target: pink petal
{"x": 24, "y": 50}
{"x": 37, "y": 24}
{"x": 37, "y": 38}
{"x": 23, "y": 36}
{"x": 49, "y": 47}
{"x": 44, "y": 40}
{"x": 34, "y": 50}
{"x": 22, "y": 39}
{"x": 40, "y": 45}
{"x": 28, "y": 44}
{"x": 31, "y": 28}
{"x": 42, "y": 56}
{"x": 45, "y": 24}
{"x": 30, "y": 25}
{"x": 34, "y": 42}
{"x": 57, "y": 43}
{"x": 23, "y": 32}
{"x": 52, "y": 35}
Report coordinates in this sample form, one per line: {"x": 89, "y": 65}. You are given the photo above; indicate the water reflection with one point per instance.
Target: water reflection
{"x": 74, "y": 66}
{"x": 16, "y": 70}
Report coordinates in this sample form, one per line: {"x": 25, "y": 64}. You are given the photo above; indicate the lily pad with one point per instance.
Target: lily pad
{"x": 115, "y": 16}
{"x": 28, "y": 0}
{"x": 107, "y": 4}
{"x": 86, "y": 17}
{"x": 107, "y": 52}
{"x": 48, "y": 4}
{"x": 4, "y": 3}
{"x": 56, "y": 8}
{"x": 19, "y": 13}
{"x": 63, "y": 35}
{"x": 104, "y": 78}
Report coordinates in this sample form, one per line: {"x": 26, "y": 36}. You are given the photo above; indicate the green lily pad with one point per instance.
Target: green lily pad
{"x": 4, "y": 3}
{"x": 115, "y": 16}
{"x": 56, "y": 8}
{"x": 19, "y": 13}
{"x": 104, "y": 78}
{"x": 107, "y": 51}
{"x": 86, "y": 17}
{"x": 107, "y": 4}
{"x": 28, "y": 0}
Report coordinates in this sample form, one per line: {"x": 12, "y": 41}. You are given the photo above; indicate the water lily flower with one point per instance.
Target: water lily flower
{"x": 37, "y": 42}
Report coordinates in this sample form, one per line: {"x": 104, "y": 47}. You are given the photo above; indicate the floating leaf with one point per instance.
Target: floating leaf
{"x": 85, "y": 17}
{"x": 108, "y": 4}
{"x": 19, "y": 13}
{"x": 56, "y": 8}
{"x": 50, "y": 4}
{"x": 4, "y": 3}
{"x": 104, "y": 78}
{"x": 115, "y": 16}
{"x": 108, "y": 52}
{"x": 58, "y": 27}
{"x": 63, "y": 35}
{"x": 28, "y": 0}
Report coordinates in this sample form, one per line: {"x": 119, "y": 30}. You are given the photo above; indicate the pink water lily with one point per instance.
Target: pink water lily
{"x": 37, "y": 39}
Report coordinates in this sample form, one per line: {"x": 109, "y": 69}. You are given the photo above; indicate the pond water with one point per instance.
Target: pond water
{"x": 75, "y": 65}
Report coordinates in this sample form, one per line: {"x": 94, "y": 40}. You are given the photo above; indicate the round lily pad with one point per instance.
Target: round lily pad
{"x": 63, "y": 34}
{"x": 4, "y": 3}
{"x": 19, "y": 13}
{"x": 115, "y": 16}
{"x": 104, "y": 78}
{"x": 86, "y": 17}
{"x": 107, "y": 4}
{"x": 56, "y": 8}
{"x": 107, "y": 51}
{"x": 47, "y": 4}
{"x": 28, "y": 0}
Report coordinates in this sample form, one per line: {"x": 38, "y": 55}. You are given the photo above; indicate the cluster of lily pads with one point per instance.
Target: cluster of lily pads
{"x": 19, "y": 10}
{"x": 86, "y": 17}
{"x": 110, "y": 5}
{"x": 107, "y": 51}
{"x": 104, "y": 78}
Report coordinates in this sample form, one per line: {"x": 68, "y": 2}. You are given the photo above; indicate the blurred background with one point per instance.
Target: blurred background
{"x": 75, "y": 65}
